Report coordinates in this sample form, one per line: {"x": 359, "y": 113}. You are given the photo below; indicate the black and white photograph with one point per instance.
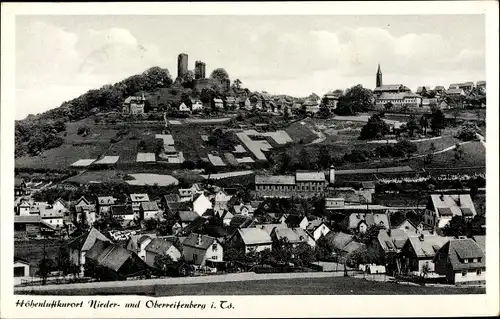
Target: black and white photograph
{"x": 188, "y": 154}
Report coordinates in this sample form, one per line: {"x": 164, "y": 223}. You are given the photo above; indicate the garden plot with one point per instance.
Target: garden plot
{"x": 258, "y": 147}
{"x": 107, "y": 160}
{"x": 167, "y": 139}
{"x": 152, "y": 179}
{"x": 146, "y": 157}
{"x": 83, "y": 162}
{"x": 216, "y": 160}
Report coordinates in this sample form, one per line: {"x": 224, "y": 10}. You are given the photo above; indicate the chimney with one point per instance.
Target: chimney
{"x": 199, "y": 239}
{"x": 332, "y": 174}
{"x": 421, "y": 237}
{"x": 389, "y": 232}
{"x": 459, "y": 202}
{"x": 441, "y": 197}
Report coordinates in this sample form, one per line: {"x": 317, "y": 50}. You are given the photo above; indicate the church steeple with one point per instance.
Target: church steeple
{"x": 379, "y": 77}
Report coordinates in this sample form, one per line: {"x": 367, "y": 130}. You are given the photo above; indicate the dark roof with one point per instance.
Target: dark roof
{"x": 240, "y": 221}
{"x": 87, "y": 240}
{"x": 149, "y": 206}
{"x": 121, "y": 210}
{"x": 294, "y": 220}
{"x": 368, "y": 185}
{"x": 463, "y": 248}
{"x": 27, "y": 219}
{"x": 170, "y": 198}
{"x": 481, "y": 241}
{"x": 18, "y": 182}
{"x": 179, "y": 206}
{"x": 158, "y": 246}
{"x": 187, "y": 215}
{"x": 109, "y": 255}
{"x": 193, "y": 241}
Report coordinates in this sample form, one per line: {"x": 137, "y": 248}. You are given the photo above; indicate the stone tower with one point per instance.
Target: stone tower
{"x": 379, "y": 77}
{"x": 199, "y": 70}
{"x": 182, "y": 64}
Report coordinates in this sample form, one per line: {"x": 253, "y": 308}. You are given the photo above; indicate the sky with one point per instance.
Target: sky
{"x": 60, "y": 57}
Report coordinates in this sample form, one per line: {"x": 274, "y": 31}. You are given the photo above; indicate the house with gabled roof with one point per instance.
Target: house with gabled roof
{"x": 149, "y": 210}
{"x": 198, "y": 248}
{"x": 159, "y": 247}
{"x": 186, "y": 217}
{"x": 82, "y": 201}
{"x": 481, "y": 241}
{"x": 462, "y": 261}
{"x": 137, "y": 199}
{"x": 294, "y": 221}
{"x": 137, "y": 243}
{"x": 407, "y": 226}
{"x": 104, "y": 203}
{"x": 79, "y": 246}
{"x": 317, "y": 228}
{"x": 221, "y": 201}
{"x": 251, "y": 239}
{"x": 442, "y": 207}
{"x": 359, "y": 222}
{"x": 61, "y": 206}
{"x": 201, "y": 204}
{"x": 420, "y": 250}
{"x": 114, "y": 261}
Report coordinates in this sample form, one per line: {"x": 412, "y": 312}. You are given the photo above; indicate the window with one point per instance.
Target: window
{"x": 474, "y": 260}
{"x": 478, "y": 272}
{"x": 195, "y": 257}
{"x": 464, "y": 273}
{"x": 466, "y": 261}
{"x": 19, "y": 272}
{"x": 214, "y": 247}
{"x": 214, "y": 257}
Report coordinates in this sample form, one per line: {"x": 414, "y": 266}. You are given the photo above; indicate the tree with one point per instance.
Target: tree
{"x": 375, "y": 128}
{"x": 455, "y": 227}
{"x": 324, "y": 158}
{"x": 163, "y": 263}
{"x": 458, "y": 152}
{"x": 207, "y": 95}
{"x": 304, "y": 159}
{"x": 150, "y": 224}
{"x": 266, "y": 257}
{"x": 388, "y": 106}
{"x": 45, "y": 267}
{"x": 237, "y": 84}
{"x": 412, "y": 125}
{"x": 424, "y": 123}
{"x": 355, "y": 99}
{"x": 187, "y": 79}
{"x": 286, "y": 115}
{"x": 232, "y": 254}
{"x": 425, "y": 270}
{"x": 468, "y": 131}
{"x": 438, "y": 121}
{"x": 219, "y": 74}
{"x": 159, "y": 146}
{"x": 303, "y": 255}
{"x": 430, "y": 156}
{"x": 62, "y": 260}
{"x": 142, "y": 145}
{"x": 282, "y": 251}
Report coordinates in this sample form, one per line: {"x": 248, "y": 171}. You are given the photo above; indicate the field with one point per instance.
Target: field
{"x": 296, "y": 286}
{"x": 151, "y": 179}
{"x": 32, "y": 251}
{"x": 474, "y": 155}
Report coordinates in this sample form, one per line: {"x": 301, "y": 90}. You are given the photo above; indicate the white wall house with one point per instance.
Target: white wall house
{"x": 198, "y": 249}
{"x": 201, "y": 204}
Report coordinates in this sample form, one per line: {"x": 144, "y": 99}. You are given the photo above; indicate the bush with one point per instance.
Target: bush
{"x": 468, "y": 132}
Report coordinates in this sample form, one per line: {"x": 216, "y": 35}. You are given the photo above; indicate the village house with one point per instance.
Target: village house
{"x": 407, "y": 226}
{"x": 455, "y": 92}
{"x": 124, "y": 213}
{"x": 186, "y": 194}
{"x": 462, "y": 261}
{"x": 231, "y": 102}
{"x": 137, "y": 244}
{"x": 422, "y": 90}
{"x": 61, "y": 206}
{"x": 481, "y": 85}
{"x": 183, "y": 108}
{"x": 82, "y": 201}
{"x": 199, "y": 248}
{"x": 79, "y": 247}
{"x": 442, "y": 207}
{"x": 21, "y": 270}
{"x": 245, "y": 103}
{"x": 134, "y": 105}
{"x": 149, "y": 210}
{"x": 317, "y": 228}
{"x": 481, "y": 241}
{"x": 201, "y": 204}
{"x": 294, "y": 236}
{"x": 221, "y": 201}
{"x": 85, "y": 214}
{"x": 251, "y": 239}
{"x": 226, "y": 217}
{"x": 27, "y": 225}
{"x": 186, "y": 217}
{"x": 243, "y": 209}
{"x": 391, "y": 88}
{"x": 114, "y": 261}
{"x": 136, "y": 200}
{"x": 406, "y": 99}
{"x": 218, "y": 104}
{"x": 270, "y": 227}
{"x": 359, "y": 222}
{"x": 104, "y": 203}
{"x": 23, "y": 208}
{"x": 419, "y": 251}
{"x": 302, "y": 184}
{"x": 52, "y": 217}
{"x": 440, "y": 90}
{"x": 331, "y": 99}
{"x": 160, "y": 247}
{"x": 196, "y": 105}
{"x": 294, "y": 221}
{"x": 20, "y": 188}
